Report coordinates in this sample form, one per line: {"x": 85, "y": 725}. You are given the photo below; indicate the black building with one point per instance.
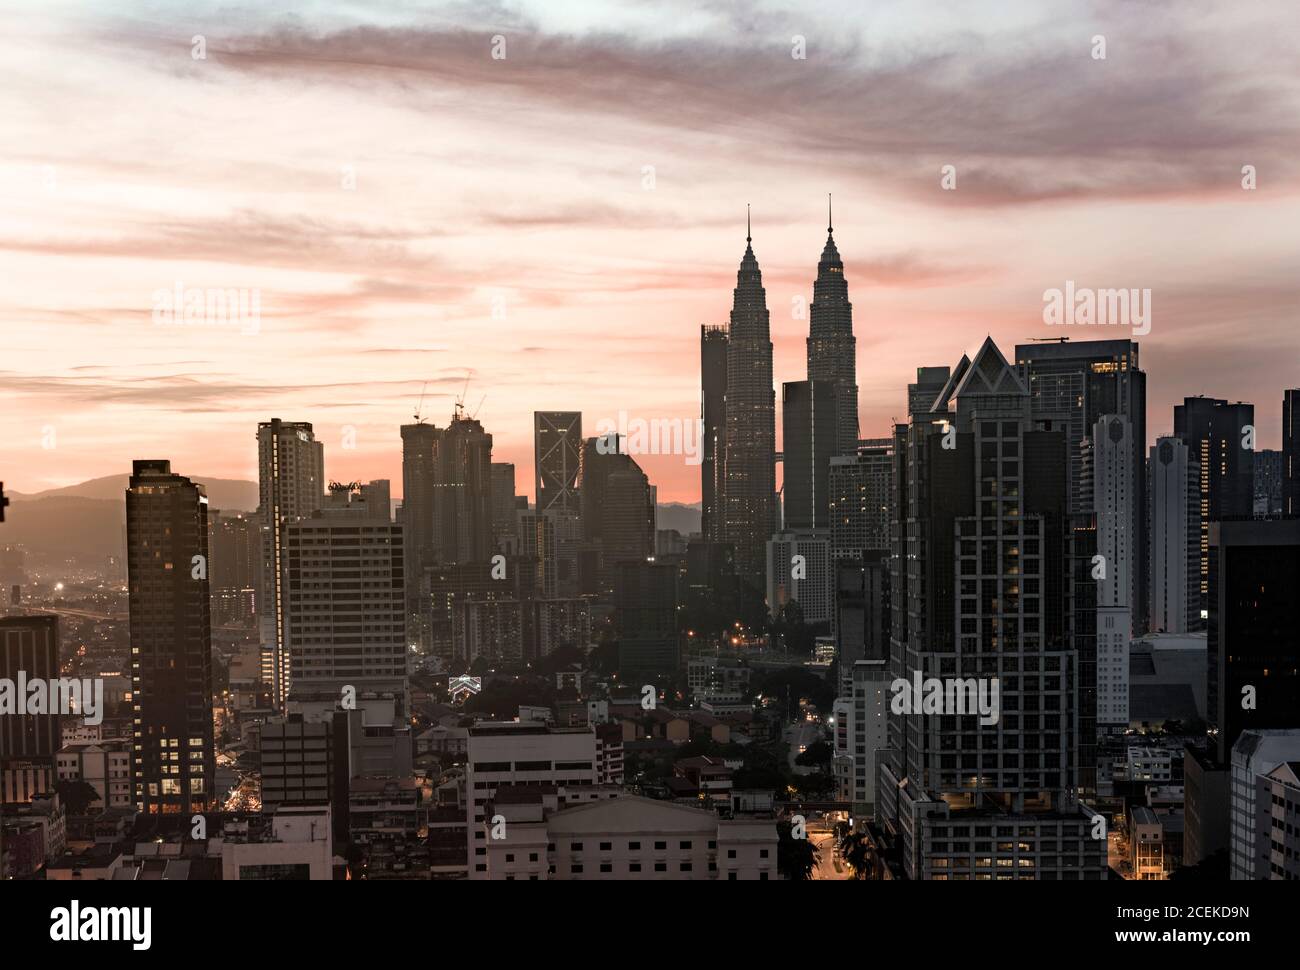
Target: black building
{"x": 172, "y": 764}
{"x": 1254, "y": 578}
{"x": 1215, "y": 432}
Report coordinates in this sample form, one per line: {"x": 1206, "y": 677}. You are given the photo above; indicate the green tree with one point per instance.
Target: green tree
{"x": 795, "y": 858}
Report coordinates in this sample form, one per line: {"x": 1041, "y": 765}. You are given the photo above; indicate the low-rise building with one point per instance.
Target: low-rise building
{"x": 628, "y": 837}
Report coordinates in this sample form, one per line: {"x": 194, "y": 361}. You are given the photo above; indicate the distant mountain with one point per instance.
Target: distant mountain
{"x": 677, "y": 515}
{"x": 233, "y": 494}
{"x": 62, "y": 527}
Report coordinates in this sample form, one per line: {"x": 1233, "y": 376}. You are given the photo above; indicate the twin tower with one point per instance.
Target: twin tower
{"x": 820, "y": 414}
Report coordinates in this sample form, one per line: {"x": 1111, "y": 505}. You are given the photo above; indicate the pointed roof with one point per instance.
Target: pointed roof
{"x": 830, "y": 255}
{"x": 940, "y": 404}
{"x": 990, "y": 373}
{"x": 748, "y": 262}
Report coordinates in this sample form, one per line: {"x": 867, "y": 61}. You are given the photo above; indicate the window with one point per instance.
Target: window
{"x": 634, "y": 847}
{"x": 576, "y": 868}
{"x": 575, "y": 847}
{"x": 684, "y": 844}
{"x": 634, "y": 867}
{"x": 661, "y": 845}
{"x": 606, "y": 846}
{"x": 661, "y": 867}
{"x": 606, "y": 867}
{"x": 685, "y": 867}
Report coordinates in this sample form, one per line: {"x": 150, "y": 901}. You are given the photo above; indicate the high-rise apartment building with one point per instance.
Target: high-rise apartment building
{"x": 1175, "y": 536}
{"x": 291, "y": 484}
{"x": 800, "y": 568}
{"x": 345, "y": 616}
{"x": 173, "y": 763}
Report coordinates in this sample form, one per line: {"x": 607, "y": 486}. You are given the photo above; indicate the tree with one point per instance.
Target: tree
{"x": 856, "y": 853}
{"x": 795, "y": 858}
{"x": 76, "y": 796}
{"x": 818, "y": 755}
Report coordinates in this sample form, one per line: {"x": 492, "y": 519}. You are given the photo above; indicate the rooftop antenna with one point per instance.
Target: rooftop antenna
{"x": 748, "y": 236}
{"x": 830, "y": 223}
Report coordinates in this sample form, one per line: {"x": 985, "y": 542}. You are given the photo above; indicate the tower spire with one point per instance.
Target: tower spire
{"x": 830, "y": 223}
{"x": 748, "y": 237}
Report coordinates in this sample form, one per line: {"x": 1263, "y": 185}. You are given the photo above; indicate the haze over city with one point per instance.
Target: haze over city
{"x": 556, "y": 224}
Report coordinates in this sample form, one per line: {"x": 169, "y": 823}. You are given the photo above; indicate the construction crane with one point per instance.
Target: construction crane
{"x": 420, "y": 406}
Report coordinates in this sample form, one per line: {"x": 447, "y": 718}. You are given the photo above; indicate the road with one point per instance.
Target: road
{"x": 829, "y": 864}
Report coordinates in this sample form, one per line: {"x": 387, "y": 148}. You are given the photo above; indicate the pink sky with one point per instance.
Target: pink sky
{"x": 520, "y": 183}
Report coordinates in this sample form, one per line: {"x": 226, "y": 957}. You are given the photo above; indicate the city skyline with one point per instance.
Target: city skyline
{"x": 376, "y": 290}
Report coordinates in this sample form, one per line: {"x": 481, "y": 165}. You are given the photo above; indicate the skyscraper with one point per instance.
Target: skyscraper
{"x": 1253, "y": 655}
{"x": 859, "y": 499}
{"x": 832, "y": 348}
{"x": 345, "y": 615}
{"x": 1216, "y": 433}
{"x": 1291, "y": 451}
{"x": 1113, "y": 480}
{"x": 419, "y": 474}
{"x": 235, "y": 541}
{"x": 28, "y": 742}
{"x": 713, "y": 414}
{"x": 504, "y": 522}
{"x": 1175, "y": 533}
{"x": 557, "y": 454}
{"x": 750, "y": 471}
{"x": 291, "y": 483}
{"x": 1075, "y": 383}
{"x": 462, "y": 492}
{"x": 811, "y": 436}
{"x": 618, "y": 510}
{"x": 929, "y": 382}
{"x": 646, "y": 615}
{"x": 979, "y": 585}
{"x": 173, "y": 765}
